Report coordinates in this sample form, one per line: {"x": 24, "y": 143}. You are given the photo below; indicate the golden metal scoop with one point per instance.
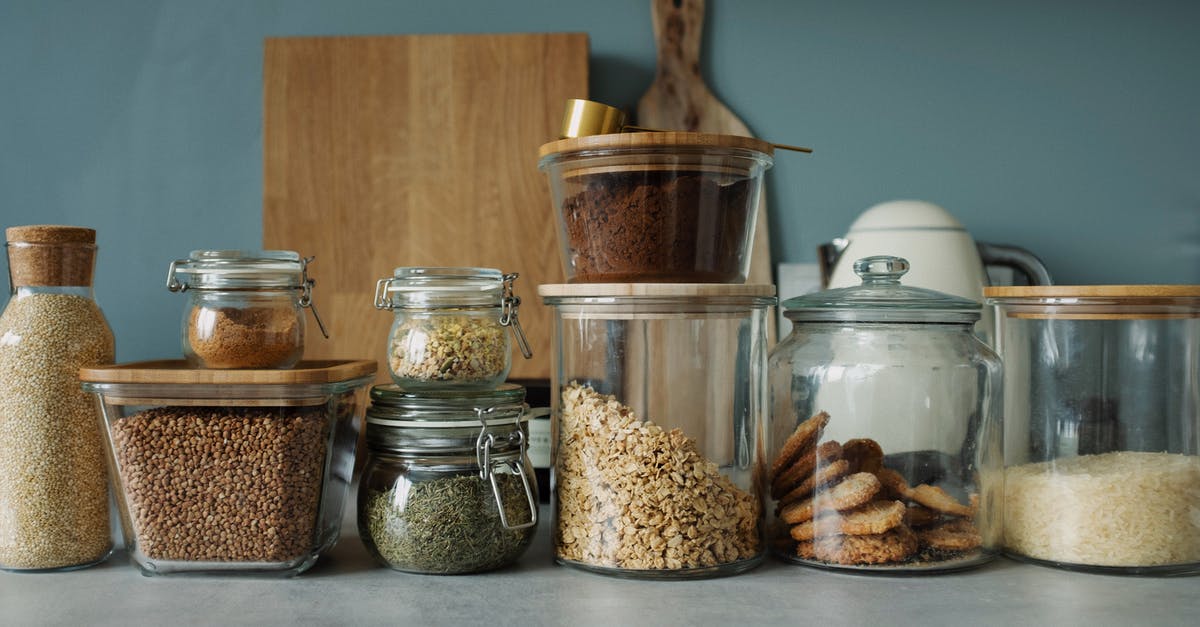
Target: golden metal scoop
{"x": 588, "y": 117}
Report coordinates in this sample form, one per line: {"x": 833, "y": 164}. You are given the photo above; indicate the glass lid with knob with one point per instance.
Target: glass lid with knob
{"x": 881, "y": 298}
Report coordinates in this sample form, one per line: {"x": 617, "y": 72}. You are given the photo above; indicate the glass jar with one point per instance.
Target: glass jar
{"x": 1102, "y": 426}
{"x": 448, "y": 488}
{"x": 54, "y": 511}
{"x": 449, "y": 326}
{"x": 884, "y": 443}
{"x": 658, "y": 398}
{"x": 245, "y": 309}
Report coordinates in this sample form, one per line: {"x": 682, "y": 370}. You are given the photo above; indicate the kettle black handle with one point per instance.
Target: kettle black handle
{"x": 1017, "y": 258}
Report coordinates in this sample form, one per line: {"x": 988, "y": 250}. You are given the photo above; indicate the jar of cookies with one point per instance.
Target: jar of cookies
{"x": 659, "y": 401}
{"x": 884, "y": 445}
{"x": 451, "y": 326}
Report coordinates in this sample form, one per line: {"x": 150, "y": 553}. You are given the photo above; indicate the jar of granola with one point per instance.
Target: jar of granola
{"x": 449, "y": 328}
{"x": 245, "y": 308}
{"x": 659, "y": 394}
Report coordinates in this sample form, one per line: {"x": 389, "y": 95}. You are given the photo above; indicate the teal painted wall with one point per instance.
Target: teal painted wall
{"x": 1069, "y": 128}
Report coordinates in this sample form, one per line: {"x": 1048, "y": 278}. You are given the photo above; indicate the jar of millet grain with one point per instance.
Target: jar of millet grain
{"x": 245, "y": 308}
{"x": 53, "y": 480}
{"x": 449, "y": 328}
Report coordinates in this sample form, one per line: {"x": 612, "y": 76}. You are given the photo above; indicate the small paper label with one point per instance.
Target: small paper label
{"x": 539, "y": 437}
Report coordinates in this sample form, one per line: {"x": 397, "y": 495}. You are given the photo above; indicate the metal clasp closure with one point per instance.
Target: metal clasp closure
{"x": 173, "y": 283}
{"x": 483, "y": 455}
{"x": 509, "y": 302}
{"x": 306, "y": 293}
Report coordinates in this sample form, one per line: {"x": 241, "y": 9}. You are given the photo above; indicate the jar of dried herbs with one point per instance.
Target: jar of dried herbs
{"x": 246, "y": 308}
{"x": 448, "y": 487}
{"x": 449, "y": 327}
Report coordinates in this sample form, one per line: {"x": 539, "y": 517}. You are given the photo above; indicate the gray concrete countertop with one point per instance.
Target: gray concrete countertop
{"x": 346, "y": 588}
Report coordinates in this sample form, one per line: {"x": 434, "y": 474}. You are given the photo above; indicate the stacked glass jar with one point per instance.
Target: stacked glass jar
{"x": 448, "y": 487}
{"x": 238, "y": 458}
{"x": 660, "y": 349}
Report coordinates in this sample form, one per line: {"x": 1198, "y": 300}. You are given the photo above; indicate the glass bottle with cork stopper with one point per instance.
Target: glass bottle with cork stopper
{"x": 53, "y": 479}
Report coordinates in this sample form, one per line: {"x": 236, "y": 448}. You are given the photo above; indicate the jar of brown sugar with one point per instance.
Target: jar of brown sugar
{"x": 245, "y": 308}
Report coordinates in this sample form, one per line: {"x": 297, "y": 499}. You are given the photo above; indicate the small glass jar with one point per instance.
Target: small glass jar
{"x": 884, "y": 444}
{"x": 1102, "y": 426}
{"x": 245, "y": 309}
{"x": 449, "y": 327}
{"x": 448, "y": 488}
{"x": 658, "y": 401}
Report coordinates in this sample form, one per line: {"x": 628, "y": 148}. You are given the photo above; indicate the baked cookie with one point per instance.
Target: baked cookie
{"x": 805, "y": 436}
{"x": 895, "y": 545}
{"x": 894, "y": 485}
{"x": 920, "y": 516}
{"x": 804, "y": 466}
{"x": 804, "y": 550}
{"x": 864, "y": 455}
{"x": 853, "y": 491}
{"x": 797, "y": 512}
{"x": 938, "y": 500}
{"x": 952, "y": 535}
{"x": 823, "y": 475}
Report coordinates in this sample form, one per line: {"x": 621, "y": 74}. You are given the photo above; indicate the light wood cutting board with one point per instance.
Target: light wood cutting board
{"x": 414, "y": 150}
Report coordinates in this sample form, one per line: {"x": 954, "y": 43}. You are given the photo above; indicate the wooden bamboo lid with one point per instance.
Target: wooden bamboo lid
{"x": 1097, "y": 302}
{"x": 1093, "y": 291}
{"x": 177, "y": 371}
{"x": 664, "y": 139}
{"x": 51, "y": 255}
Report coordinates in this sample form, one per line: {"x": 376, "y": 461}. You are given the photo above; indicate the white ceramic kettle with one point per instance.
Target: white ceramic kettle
{"x": 941, "y": 254}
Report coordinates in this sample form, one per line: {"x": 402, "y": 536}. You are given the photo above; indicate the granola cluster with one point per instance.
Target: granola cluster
{"x": 633, "y": 495}
{"x": 449, "y": 348}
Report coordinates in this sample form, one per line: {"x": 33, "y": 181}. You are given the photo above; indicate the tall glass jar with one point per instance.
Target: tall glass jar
{"x": 449, "y": 327}
{"x": 885, "y": 442}
{"x": 448, "y": 487}
{"x": 53, "y": 478}
{"x": 659, "y": 394}
{"x": 1102, "y": 426}
{"x": 245, "y": 308}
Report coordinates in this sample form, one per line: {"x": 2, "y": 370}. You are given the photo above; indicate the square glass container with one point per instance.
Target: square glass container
{"x": 665, "y": 207}
{"x": 230, "y": 471}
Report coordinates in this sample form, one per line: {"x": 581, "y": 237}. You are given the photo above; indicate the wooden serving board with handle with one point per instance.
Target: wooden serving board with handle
{"x": 414, "y": 150}
{"x": 680, "y": 100}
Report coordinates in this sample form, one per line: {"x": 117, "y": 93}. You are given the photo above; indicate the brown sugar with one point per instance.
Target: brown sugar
{"x": 252, "y": 337}
{"x": 658, "y": 227}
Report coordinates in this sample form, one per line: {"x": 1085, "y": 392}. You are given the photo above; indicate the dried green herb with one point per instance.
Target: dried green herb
{"x": 449, "y": 525}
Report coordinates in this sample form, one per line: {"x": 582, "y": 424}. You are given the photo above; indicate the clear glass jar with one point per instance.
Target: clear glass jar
{"x": 884, "y": 443}
{"x": 448, "y": 488}
{"x": 659, "y": 394}
{"x": 449, "y": 327}
{"x": 54, "y": 512}
{"x": 245, "y": 308}
{"x": 1102, "y": 426}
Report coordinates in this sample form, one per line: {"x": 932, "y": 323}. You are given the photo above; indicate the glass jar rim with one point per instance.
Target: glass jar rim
{"x": 238, "y": 269}
{"x": 439, "y": 287}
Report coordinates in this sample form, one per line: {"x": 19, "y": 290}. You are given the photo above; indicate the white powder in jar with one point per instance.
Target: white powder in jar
{"x": 1115, "y": 509}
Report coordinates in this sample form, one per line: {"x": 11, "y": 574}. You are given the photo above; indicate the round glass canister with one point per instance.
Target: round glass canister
{"x": 448, "y": 487}
{"x": 658, "y": 399}
{"x": 449, "y": 327}
{"x": 246, "y": 308}
{"x": 1102, "y": 426}
{"x": 885, "y": 431}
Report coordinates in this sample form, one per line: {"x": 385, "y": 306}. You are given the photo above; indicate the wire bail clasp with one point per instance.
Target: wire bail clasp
{"x": 306, "y": 287}
{"x": 483, "y": 456}
{"x": 509, "y": 303}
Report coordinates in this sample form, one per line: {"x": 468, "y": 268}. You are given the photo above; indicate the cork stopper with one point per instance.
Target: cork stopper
{"x": 50, "y": 255}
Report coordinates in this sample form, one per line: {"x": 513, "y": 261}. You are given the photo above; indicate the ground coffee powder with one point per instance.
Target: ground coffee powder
{"x": 658, "y": 226}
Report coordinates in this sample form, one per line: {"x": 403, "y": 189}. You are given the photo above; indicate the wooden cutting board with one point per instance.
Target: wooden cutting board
{"x": 414, "y": 150}
{"x": 680, "y": 100}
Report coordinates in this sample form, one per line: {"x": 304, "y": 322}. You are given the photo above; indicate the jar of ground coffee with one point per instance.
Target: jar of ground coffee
{"x": 245, "y": 308}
